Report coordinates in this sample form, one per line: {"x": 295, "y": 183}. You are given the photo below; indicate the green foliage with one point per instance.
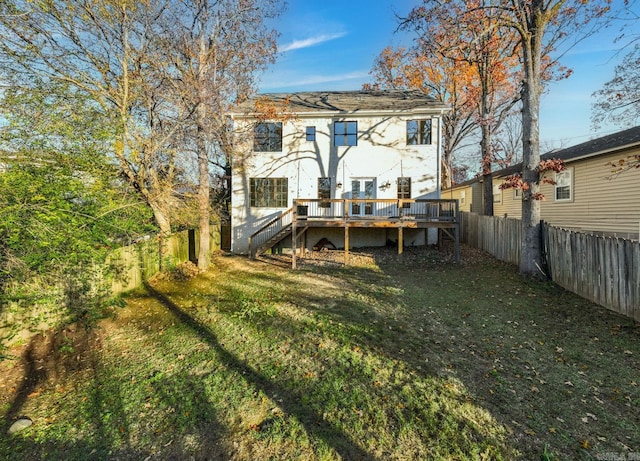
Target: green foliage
{"x": 62, "y": 206}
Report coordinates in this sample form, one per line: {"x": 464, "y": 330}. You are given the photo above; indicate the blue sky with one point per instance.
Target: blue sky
{"x": 331, "y": 45}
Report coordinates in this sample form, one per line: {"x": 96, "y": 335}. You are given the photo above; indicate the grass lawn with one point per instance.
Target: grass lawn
{"x": 412, "y": 358}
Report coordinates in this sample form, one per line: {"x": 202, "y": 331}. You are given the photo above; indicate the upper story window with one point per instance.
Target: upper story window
{"x": 563, "y": 186}
{"x": 418, "y": 132}
{"x": 267, "y": 137}
{"x": 269, "y": 192}
{"x": 311, "y": 133}
{"x": 345, "y": 133}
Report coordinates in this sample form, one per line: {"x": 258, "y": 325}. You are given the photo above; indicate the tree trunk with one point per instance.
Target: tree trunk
{"x": 487, "y": 176}
{"x": 204, "y": 252}
{"x": 204, "y": 209}
{"x": 531, "y": 251}
{"x": 162, "y": 219}
{"x": 445, "y": 175}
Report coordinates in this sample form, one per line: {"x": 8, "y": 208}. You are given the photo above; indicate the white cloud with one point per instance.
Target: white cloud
{"x": 312, "y": 41}
{"x": 311, "y": 80}
{"x": 315, "y": 79}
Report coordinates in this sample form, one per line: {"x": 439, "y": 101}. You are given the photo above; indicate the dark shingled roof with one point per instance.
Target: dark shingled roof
{"x": 617, "y": 141}
{"x": 602, "y": 145}
{"x": 347, "y": 101}
{"x": 598, "y": 146}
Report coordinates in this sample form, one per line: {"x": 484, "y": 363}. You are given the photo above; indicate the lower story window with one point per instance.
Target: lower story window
{"x": 269, "y": 192}
{"x": 497, "y": 194}
{"x": 563, "y": 186}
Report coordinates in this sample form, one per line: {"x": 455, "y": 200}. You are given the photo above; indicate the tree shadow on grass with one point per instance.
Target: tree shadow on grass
{"x": 290, "y": 401}
{"x": 48, "y": 356}
{"x": 54, "y": 358}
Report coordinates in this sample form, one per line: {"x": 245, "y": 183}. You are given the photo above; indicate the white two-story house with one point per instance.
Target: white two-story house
{"x": 357, "y": 168}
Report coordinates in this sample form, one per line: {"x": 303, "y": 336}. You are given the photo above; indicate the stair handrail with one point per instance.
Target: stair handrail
{"x": 270, "y": 229}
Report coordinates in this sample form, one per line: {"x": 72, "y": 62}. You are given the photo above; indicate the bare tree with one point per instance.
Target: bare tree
{"x": 618, "y": 102}
{"x": 165, "y": 73}
{"x": 507, "y": 143}
{"x": 216, "y": 49}
{"x": 542, "y": 26}
{"x": 446, "y": 80}
{"x": 102, "y": 49}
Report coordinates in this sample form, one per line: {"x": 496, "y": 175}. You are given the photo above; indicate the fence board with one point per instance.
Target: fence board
{"x": 140, "y": 261}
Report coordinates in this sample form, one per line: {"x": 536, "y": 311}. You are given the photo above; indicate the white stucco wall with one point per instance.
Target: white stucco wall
{"x": 381, "y": 153}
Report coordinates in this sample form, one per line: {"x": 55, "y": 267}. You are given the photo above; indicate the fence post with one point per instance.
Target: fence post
{"x": 544, "y": 250}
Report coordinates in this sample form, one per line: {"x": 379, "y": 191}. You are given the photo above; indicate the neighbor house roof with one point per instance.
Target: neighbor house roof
{"x": 599, "y": 146}
{"x": 345, "y": 102}
{"x": 621, "y": 140}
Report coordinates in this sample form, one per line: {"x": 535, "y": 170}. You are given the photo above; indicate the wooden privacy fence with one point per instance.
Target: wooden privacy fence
{"x": 136, "y": 263}
{"x": 497, "y": 236}
{"x": 605, "y": 270}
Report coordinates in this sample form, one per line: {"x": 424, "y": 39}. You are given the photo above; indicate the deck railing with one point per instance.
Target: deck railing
{"x": 269, "y": 230}
{"x": 353, "y": 210}
{"x": 363, "y": 209}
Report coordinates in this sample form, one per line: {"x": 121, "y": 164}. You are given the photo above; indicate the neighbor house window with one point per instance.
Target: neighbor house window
{"x": 267, "y": 137}
{"x": 463, "y": 197}
{"x": 324, "y": 191}
{"x": 269, "y": 192}
{"x": 517, "y": 193}
{"x": 404, "y": 190}
{"x": 311, "y": 133}
{"x": 497, "y": 194}
{"x": 345, "y": 133}
{"x": 418, "y": 132}
{"x": 563, "y": 185}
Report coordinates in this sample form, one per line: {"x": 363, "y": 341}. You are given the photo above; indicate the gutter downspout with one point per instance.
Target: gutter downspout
{"x": 439, "y": 157}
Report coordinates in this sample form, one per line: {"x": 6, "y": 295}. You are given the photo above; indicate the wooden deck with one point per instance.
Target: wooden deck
{"x": 358, "y": 213}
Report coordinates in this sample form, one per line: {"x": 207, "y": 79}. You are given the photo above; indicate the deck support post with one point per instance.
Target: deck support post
{"x": 346, "y": 244}
{"x": 400, "y": 239}
{"x": 294, "y": 243}
{"x": 456, "y": 242}
{"x": 456, "y": 231}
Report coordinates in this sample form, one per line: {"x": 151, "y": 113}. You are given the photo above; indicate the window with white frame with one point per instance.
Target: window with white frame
{"x": 268, "y": 192}
{"x": 563, "y": 186}
{"x": 517, "y": 193}
{"x": 267, "y": 137}
{"x": 463, "y": 197}
{"x": 497, "y": 194}
{"x": 418, "y": 132}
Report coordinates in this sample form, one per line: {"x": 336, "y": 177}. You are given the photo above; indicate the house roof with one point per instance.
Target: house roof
{"x": 346, "y": 102}
{"x": 621, "y": 140}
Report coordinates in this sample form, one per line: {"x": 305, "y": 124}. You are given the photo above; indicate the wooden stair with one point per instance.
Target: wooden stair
{"x": 273, "y": 241}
